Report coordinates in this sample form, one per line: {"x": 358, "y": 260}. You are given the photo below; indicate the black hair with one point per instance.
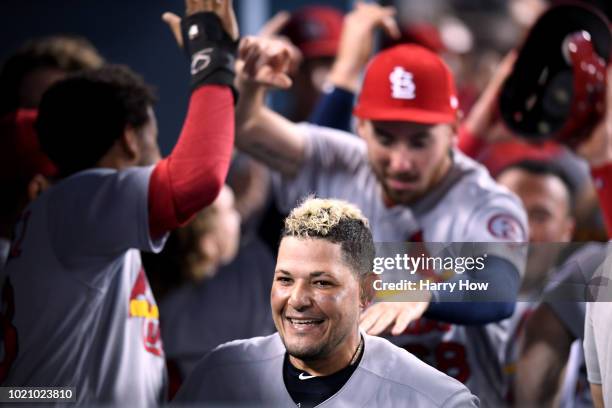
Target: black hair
{"x": 82, "y": 116}
{"x": 546, "y": 168}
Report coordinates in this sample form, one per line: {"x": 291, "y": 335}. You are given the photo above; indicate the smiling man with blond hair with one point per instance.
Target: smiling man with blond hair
{"x": 319, "y": 357}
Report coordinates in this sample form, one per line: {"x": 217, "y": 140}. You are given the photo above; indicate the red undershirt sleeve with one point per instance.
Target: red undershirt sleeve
{"x": 194, "y": 173}
{"x": 469, "y": 144}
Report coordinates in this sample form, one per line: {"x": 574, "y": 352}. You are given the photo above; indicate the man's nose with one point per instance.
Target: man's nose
{"x": 301, "y": 296}
{"x": 401, "y": 160}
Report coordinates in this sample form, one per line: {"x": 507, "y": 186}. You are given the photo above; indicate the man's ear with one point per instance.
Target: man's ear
{"x": 37, "y": 185}
{"x": 129, "y": 143}
{"x": 367, "y": 289}
{"x": 362, "y": 125}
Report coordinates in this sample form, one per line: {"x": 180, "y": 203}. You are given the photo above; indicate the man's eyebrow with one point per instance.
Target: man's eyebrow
{"x": 383, "y": 132}
{"x": 316, "y": 274}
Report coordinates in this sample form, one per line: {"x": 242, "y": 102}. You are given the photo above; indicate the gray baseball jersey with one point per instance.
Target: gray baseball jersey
{"x": 598, "y": 347}
{"x": 76, "y": 294}
{"x": 565, "y": 294}
{"x": 568, "y": 287}
{"x": 467, "y": 206}
{"x": 251, "y": 371}
{"x": 566, "y": 297}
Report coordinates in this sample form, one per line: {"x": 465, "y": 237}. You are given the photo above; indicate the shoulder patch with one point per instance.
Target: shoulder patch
{"x": 505, "y": 226}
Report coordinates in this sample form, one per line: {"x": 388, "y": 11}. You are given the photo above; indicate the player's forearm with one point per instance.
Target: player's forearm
{"x": 492, "y": 305}
{"x": 346, "y": 75}
{"x": 266, "y": 135}
{"x": 334, "y": 109}
{"x": 535, "y": 388}
{"x": 469, "y": 143}
{"x": 193, "y": 175}
{"x": 597, "y": 393}
{"x": 544, "y": 351}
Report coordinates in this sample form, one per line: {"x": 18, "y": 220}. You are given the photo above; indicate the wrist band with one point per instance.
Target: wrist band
{"x": 211, "y": 51}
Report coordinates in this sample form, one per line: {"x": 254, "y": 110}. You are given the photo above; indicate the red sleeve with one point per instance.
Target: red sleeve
{"x": 602, "y": 179}
{"x": 193, "y": 175}
{"x": 469, "y": 144}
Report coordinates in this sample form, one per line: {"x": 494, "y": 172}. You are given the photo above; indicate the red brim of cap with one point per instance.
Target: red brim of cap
{"x": 405, "y": 115}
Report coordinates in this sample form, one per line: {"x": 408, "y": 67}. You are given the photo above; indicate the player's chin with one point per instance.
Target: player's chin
{"x": 304, "y": 347}
{"x": 402, "y": 196}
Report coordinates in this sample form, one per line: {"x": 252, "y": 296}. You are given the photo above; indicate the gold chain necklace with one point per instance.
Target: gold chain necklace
{"x": 357, "y": 352}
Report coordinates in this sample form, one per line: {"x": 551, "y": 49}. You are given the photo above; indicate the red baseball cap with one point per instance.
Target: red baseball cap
{"x": 21, "y": 157}
{"x": 315, "y": 30}
{"x": 408, "y": 83}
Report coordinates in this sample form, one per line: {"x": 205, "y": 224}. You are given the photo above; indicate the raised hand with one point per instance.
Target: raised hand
{"x": 357, "y": 42}
{"x": 597, "y": 149}
{"x": 264, "y": 61}
{"x": 483, "y": 115}
{"x": 272, "y": 29}
{"x": 391, "y": 317}
{"x": 222, "y": 8}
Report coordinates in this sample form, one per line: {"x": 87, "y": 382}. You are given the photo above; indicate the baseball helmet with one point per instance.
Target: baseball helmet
{"x": 557, "y": 87}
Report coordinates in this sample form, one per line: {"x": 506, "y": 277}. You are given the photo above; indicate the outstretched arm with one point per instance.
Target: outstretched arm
{"x": 192, "y": 176}
{"x": 261, "y": 132}
{"x": 501, "y": 277}
{"x": 477, "y": 131}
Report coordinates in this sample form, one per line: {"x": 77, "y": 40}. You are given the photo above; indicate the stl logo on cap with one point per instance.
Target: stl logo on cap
{"x": 402, "y": 84}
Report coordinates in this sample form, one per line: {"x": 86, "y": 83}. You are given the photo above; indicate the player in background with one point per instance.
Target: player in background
{"x": 38, "y": 64}
{"x": 25, "y": 171}
{"x": 315, "y": 32}
{"x": 224, "y": 293}
{"x": 334, "y": 108}
{"x": 484, "y": 137}
{"x": 405, "y": 175}
{"x": 548, "y": 197}
{"x": 534, "y": 376}
{"x": 77, "y": 309}
{"x": 597, "y": 151}
{"x": 24, "y": 77}
{"x": 549, "y": 360}
{"x": 319, "y": 356}
{"x": 558, "y": 320}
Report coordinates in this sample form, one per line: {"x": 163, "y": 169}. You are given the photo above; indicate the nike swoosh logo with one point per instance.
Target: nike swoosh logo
{"x": 303, "y": 376}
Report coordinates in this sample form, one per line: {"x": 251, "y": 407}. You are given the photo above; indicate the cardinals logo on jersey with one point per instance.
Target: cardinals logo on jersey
{"x": 142, "y": 305}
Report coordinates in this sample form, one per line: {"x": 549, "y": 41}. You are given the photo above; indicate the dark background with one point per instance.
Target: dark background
{"x": 130, "y": 32}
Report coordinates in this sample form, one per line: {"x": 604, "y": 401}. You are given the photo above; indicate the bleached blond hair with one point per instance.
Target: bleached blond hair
{"x": 336, "y": 221}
